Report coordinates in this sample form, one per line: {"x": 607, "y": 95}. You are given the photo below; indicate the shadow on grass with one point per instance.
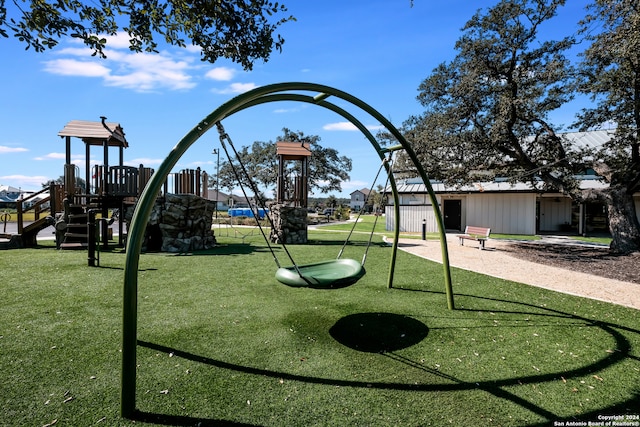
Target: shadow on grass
{"x": 378, "y": 332}
{"x": 177, "y": 420}
{"x": 363, "y": 332}
{"x": 320, "y": 242}
{"x": 224, "y": 250}
{"x": 249, "y": 248}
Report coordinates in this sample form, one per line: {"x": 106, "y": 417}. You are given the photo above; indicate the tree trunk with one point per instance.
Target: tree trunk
{"x": 623, "y": 221}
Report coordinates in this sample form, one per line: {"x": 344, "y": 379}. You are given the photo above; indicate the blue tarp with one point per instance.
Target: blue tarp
{"x": 247, "y": 212}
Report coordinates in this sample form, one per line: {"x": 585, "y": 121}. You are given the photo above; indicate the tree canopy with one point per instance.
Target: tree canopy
{"x": 327, "y": 169}
{"x": 610, "y": 76}
{"x": 487, "y": 110}
{"x": 240, "y": 30}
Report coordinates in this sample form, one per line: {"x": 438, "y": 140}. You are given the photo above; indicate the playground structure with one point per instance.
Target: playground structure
{"x": 106, "y": 186}
{"x": 42, "y": 205}
{"x": 109, "y": 190}
{"x": 294, "y": 192}
{"x": 297, "y": 92}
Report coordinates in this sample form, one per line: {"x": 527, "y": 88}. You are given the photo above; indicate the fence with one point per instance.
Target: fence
{"x": 188, "y": 181}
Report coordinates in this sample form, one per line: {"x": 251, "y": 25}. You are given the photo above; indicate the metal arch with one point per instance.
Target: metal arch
{"x": 145, "y": 204}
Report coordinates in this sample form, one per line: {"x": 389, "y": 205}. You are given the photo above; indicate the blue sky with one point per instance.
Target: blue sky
{"x": 376, "y": 50}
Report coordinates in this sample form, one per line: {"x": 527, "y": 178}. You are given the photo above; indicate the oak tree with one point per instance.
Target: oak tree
{"x": 487, "y": 111}
{"x": 610, "y": 76}
{"x": 240, "y": 30}
{"x": 327, "y": 169}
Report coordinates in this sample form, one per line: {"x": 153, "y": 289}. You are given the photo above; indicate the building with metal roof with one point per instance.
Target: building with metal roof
{"x": 506, "y": 207}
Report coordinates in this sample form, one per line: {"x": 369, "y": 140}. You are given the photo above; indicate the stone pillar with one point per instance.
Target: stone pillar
{"x": 180, "y": 223}
{"x": 290, "y": 224}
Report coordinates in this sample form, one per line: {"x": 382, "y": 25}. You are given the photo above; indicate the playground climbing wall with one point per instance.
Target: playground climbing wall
{"x": 180, "y": 223}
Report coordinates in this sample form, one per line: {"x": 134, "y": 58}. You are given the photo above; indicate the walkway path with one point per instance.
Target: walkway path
{"x": 494, "y": 261}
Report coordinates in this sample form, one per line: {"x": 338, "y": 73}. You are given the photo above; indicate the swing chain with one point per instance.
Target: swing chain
{"x": 385, "y": 162}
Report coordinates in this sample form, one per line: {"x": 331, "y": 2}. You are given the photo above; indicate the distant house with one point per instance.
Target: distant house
{"x": 358, "y": 199}
{"x": 241, "y": 201}
{"x": 8, "y": 196}
{"x": 226, "y": 201}
{"x": 221, "y": 199}
{"x": 506, "y": 208}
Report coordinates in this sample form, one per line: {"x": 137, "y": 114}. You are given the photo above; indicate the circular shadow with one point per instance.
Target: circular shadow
{"x": 378, "y": 332}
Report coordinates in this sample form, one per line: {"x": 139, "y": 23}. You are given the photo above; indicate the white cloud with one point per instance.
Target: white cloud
{"x": 119, "y": 41}
{"x": 73, "y": 67}
{"x": 235, "y": 88}
{"x": 75, "y": 158}
{"x": 348, "y": 126}
{"x": 4, "y": 149}
{"x": 51, "y": 156}
{"x": 203, "y": 163}
{"x": 193, "y": 49}
{"x": 351, "y": 186}
{"x": 146, "y": 72}
{"x": 285, "y": 110}
{"x": 24, "y": 181}
{"x": 146, "y": 161}
{"x": 221, "y": 74}
{"x": 142, "y": 72}
{"x": 82, "y": 52}
{"x": 340, "y": 126}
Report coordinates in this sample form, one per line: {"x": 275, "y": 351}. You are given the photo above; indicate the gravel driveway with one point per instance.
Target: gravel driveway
{"x": 504, "y": 260}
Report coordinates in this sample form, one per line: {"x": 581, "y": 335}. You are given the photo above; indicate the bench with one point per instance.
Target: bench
{"x": 479, "y": 234}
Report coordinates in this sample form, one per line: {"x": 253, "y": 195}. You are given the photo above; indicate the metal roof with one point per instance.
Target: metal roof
{"x": 95, "y": 133}
{"x": 364, "y": 191}
{"x": 591, "y": 139}
{"x": 9, "y": 189}
{"x": 415, "y": 185}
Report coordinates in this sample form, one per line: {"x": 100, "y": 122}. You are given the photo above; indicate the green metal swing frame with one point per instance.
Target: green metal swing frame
{"x": 291, "y": 91}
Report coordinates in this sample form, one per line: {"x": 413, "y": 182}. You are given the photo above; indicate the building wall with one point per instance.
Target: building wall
{"x": 411, "y": 218}
{"x": 510, "y": 213}
{"x": 503, "y": 213}
{"x": 357, "y": 200}
{"x": 554, "y": 211}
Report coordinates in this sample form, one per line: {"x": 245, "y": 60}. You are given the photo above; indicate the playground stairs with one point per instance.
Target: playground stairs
{"x": 76, "y": 234}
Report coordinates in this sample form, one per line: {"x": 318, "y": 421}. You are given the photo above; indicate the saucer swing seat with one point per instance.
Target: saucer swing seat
{"x": 331, "y": 274}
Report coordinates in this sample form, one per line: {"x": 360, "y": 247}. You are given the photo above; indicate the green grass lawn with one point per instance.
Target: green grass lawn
{"x": 222, "y": 343}
{"x": 369, "y": 223}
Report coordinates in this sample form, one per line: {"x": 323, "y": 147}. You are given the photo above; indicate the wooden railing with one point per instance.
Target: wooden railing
{"x": 120, "y": 181}
{"x": 47, "y": 205}
{"x": 128, "y": 181}
{"x": 188, "y": 181}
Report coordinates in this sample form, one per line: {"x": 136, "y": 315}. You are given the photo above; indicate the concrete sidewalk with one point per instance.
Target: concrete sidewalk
{"x": 495, "y": 261}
